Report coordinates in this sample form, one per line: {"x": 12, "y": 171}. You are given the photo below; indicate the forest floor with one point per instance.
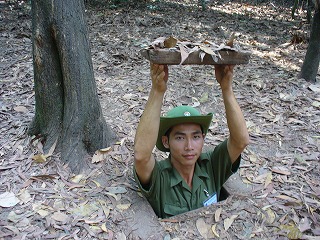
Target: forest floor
{"x": 280, "y": 167}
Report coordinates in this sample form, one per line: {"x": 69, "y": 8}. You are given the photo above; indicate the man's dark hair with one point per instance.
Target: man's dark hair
{"x": 167, "y": 134}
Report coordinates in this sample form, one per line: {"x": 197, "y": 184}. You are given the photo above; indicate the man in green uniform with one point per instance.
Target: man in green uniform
{"x": 187, "y": 179}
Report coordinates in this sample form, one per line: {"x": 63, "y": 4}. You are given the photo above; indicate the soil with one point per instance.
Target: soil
{"x": 274, "y": 195}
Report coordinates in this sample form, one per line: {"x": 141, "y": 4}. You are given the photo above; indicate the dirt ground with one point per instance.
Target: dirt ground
{"x": 275, "y": 194}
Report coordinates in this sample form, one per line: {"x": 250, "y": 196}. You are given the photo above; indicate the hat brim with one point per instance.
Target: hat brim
{"x": 168, "y": 122}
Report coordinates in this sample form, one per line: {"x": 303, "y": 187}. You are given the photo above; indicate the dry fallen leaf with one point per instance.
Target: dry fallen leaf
{"x": 285, "y": 197}
{"x": 253, "y": 158}
{"x": 105, "y": 150}
{"x": 21, "y": 109}
{"x": 116, "y": 197}
{"x": 217, "y": 214}
{"x": 77, "y": 178}
{"x": 170, "y": 42}
{"x": 104, "y": 227}
{"x": 39, "y": 158}
{"x": 24, "y": 222}
{"x": 14, "y": 229}
{"x": 261, "y": 178}
{"x": 268, "y": 179}
{"x": 158, "y": 43}
{"x": 231, "y": 40}
{"x": 120, "y": 236}
{"x": 316, "y": 104}
{"x": 292, "y": 230}
{"x": 281, "y": 170}
{"x": 184, "y": 53}
{"x": 43, "y": 213}
{"x": 116, "y": 190}
{"x": 207, "y": 50}
{"x": 204, "y": 98}
{"x": 314, "y": 88}
{"x": 52, "y": 148}
{"x": 105, "y": 208}
{"x": 97, "y": 157}
{"x": 123, "y": 206}
{"x": 271, "y": 216}
{"x": 42, "y": 210}
{"x": 228, "y": 222}
{"x": 213, "y": 229}
{"x": 24, "y": 196}
{"x": 97, "y": 183}
{"x": 202, "y": 227}
{"x": 86, "y": 209}
{"x": 13, "y": 217}
{"x": 304, "y": 224}
{"x": 8, "y": 199}
{"x": 60, "y": 217}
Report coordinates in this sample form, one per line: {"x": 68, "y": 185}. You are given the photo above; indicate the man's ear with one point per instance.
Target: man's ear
{"x": 165, "y": 141}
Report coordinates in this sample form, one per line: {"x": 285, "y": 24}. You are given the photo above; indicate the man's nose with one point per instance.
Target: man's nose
{"x": 189, "y": 144}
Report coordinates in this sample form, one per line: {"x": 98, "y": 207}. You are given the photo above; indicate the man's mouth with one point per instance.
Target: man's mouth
{"x": 189, "y": 156}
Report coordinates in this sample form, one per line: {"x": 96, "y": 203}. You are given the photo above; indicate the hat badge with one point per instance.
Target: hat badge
{"x": 187, "y": 114}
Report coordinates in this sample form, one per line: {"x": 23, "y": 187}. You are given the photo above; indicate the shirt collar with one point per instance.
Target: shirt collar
{"x": 197, "y": 175}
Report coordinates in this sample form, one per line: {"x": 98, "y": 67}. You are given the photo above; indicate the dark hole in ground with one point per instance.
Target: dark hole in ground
{"x": 224, "y": 194}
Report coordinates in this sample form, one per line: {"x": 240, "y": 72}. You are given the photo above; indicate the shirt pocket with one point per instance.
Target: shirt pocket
{"x": 172, "y": 209}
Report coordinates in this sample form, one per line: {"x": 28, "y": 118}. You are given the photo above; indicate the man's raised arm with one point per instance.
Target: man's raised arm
{"x": 148, "y": 127}
{"x": 239, "y": 136}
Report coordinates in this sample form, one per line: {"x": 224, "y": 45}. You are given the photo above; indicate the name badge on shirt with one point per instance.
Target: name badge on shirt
{"x": 212, "y": 199}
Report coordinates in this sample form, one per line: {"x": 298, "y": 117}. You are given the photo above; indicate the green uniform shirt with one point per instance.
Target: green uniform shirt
{"x": 169, "y": 194}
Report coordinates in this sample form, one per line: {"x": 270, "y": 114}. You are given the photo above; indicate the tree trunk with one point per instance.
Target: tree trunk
{"x": 310, "y": 64}
{"x": 67, "y": 106}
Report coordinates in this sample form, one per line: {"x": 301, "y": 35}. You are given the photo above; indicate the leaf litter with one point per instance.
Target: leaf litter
{"x": 42, "y": 199}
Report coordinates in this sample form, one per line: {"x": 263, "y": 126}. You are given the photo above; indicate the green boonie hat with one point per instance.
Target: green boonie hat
{"x": 178, "y": 115}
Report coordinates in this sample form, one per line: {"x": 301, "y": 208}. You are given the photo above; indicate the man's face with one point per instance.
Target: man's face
{"x": 185, "y": 143}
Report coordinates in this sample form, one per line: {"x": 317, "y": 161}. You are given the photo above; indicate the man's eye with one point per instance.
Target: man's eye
{"x": 179, "y": 138}
{"x": 197, "y": 136}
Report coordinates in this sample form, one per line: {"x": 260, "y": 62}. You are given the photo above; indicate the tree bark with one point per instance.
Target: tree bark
{"x": 67, "y": 106}
{"x": 310, "y": 64}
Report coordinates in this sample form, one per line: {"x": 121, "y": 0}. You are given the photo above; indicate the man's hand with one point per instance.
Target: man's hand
{"x": 159, "y": 76}
{"x": 224, "y": 75}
